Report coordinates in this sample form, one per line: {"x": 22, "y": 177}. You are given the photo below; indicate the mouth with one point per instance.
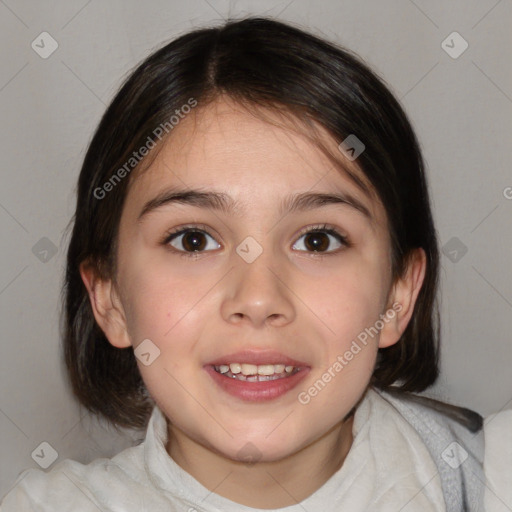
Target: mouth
{"x": 257, "y": 375}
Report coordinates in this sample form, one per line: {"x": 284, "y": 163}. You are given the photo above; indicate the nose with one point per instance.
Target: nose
{"x": 258, "y": 293}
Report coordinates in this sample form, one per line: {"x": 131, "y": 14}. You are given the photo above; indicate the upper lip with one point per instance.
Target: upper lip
{"x": 257, "y": 357}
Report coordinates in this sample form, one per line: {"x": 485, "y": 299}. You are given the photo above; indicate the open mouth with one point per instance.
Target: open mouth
{"x": 256, "y": 373}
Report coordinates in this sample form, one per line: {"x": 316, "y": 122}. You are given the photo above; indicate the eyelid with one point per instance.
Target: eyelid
{"x": 322, "y": 228}
{"x": 183, "y": 229}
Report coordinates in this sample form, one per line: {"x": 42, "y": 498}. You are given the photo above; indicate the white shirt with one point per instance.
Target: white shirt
{"x": 388, "y": 468}
{"x": 498, "y": 462}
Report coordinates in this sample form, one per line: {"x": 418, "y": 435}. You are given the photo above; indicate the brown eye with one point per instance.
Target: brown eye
{"x": 325, "y": 240}
{"x": 192, "y": 240}
{"x": 317, "y": 241}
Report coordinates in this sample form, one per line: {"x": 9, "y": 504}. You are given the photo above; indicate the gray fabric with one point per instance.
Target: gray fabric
{"x": 460, "y": 465}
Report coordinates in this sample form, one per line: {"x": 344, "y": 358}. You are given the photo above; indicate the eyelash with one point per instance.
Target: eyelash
{"x": 201, "y": 228}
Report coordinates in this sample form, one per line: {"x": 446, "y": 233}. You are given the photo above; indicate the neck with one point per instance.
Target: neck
{"x": 264, "y": 485}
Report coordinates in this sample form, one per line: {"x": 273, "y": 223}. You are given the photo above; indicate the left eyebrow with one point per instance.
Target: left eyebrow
{"x": 226, "y": 204}
{"x": 312, "y": 200}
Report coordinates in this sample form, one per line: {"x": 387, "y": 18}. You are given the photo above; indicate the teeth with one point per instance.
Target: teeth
{"x": 249, "y": 369}
{"x": 267, "y": 369}
{"x": 235, "y": 368}
{"x": 252, "y": 369}
{"x": 252, "y": 372}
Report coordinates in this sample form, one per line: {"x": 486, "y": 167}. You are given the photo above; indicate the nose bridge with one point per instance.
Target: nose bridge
{"x": 257, "y": 291}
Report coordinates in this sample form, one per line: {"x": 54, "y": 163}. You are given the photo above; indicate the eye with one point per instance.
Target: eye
{"x": 191, "y": 240}
{"x": 320, "y": 239}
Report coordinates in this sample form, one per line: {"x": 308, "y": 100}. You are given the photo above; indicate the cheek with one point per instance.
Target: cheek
{"x": 347, "y": 302}
{"x": 164, "y": 309}
{"x": 159, "y": 300}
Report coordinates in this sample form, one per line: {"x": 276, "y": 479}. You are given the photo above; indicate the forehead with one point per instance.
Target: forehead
{"x": 252, "y": 155}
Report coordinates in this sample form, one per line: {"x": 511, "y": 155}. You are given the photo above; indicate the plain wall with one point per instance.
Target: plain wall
{"x": 460, "y": 107}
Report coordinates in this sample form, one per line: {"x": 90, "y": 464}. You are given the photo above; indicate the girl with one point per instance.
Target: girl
{"x": 252, "y": 278}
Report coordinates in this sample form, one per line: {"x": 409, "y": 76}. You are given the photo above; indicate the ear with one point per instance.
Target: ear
{"x": 402, "y": 299}
{"x": 106, "y": 306}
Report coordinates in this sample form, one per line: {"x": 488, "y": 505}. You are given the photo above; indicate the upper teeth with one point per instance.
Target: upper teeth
{"x": 252, "y": 369}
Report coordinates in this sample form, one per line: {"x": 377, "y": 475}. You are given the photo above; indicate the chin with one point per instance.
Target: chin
{"x": 263, "y": 450}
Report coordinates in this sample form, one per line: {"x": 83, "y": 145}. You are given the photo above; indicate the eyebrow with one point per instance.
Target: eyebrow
{"x": 224, "y": 203}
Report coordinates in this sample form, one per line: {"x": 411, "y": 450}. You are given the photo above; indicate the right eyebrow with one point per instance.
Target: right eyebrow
{"x": 199, "y": 198}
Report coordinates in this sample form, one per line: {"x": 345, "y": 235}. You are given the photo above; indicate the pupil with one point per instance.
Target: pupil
{"x": 192, "y": 241}
{"x": 319, "y": 241}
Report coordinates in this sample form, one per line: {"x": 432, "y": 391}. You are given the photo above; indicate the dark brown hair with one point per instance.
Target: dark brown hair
{"x": 259, "y": 62}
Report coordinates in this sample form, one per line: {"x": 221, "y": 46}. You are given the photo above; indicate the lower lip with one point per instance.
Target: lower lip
{"x": 257, "y": 391}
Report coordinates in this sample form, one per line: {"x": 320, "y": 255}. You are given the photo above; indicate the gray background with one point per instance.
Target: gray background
{"x": 461, "y": 109}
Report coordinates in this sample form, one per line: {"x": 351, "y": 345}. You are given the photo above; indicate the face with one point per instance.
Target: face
{"x": 291, "y": 287}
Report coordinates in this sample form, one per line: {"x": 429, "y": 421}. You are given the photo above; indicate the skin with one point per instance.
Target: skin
{"x": 308, "y": 305}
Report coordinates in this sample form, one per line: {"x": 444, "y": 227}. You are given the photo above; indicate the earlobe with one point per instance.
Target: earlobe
{"x": 106, "y": 307}
{"x": 403, "y": 297}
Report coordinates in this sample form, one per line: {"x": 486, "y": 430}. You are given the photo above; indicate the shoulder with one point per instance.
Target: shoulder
{"x": 71, "y": 485}
{"x": 498, "y": 460}
{"x": 448, "y": 414}
{"x": 454, "y": 437}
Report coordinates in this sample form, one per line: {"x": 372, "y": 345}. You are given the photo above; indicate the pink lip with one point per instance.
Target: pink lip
{"x": 257, "y": 356}
{"x": 257, "y": 391}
